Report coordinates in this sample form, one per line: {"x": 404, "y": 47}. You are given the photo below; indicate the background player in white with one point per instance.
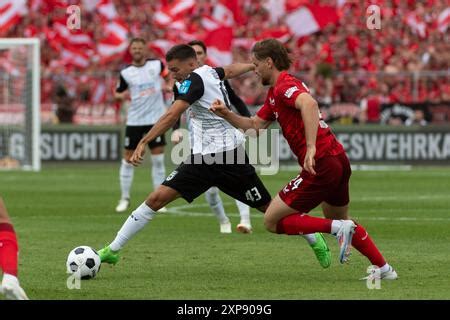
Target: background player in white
{"x": 212, "y": 195}
{"x": 141, "y": 81}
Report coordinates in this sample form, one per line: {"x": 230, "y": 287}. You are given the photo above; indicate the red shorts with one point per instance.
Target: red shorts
{"x": 330, "y": 184}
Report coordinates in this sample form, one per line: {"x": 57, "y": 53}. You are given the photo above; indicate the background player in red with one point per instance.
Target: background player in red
{"x": 10, "y": 286}
{"x": 326, "y": 169}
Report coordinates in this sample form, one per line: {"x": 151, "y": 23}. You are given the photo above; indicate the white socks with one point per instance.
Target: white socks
{"x": 244, "y": 212}
{"x": 310, "y": 238}
{"x": 127, "y": 171}
{"x": 385, "y": 268}
{"x": 126, "y": 178}
{"x": 135, "y": 222}
{"x": 9, "y": 278}
{"x": 335, "y": 226}
{"x": 158, "y": 170}
{"x": 215, "y": 202}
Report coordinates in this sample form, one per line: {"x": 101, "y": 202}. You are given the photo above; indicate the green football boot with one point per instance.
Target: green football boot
{"x": 108, "y": 256}
{"x": 321, "y": 251}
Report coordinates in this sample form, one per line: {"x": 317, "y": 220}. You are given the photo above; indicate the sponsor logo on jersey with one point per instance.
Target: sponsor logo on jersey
{"x": 289, "y": 92}
{"x": 184, "y": 88}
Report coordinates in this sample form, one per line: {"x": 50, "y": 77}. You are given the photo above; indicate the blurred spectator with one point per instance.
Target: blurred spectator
{"x": 334, "y": 61}
{"x": 419, "y": 119}
{"x": 65, "y": 109}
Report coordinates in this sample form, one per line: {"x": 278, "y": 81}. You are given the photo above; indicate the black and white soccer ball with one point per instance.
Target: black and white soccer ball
{"x": 84, "y": 262}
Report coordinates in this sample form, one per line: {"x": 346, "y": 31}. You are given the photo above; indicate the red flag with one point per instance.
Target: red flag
{"x": 218, "y": 43}
{"x": 71, "y": 37}
{"x": 11, "y": 11}
{"x": 418, "y": 26}
{"x": 443, "y": 20}
{"x": 74, "y": 57}
{"x": 161, "y": 46}
{"x": 280, "y": 33}
{"x": 115, "y": 41}
{"x": 107, "y": 9}
{"x": 308, "y": 19}
{"x": 169, "y": 13}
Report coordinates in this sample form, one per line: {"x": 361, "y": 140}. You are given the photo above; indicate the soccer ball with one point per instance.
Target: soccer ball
{"x": 83, "y": 262}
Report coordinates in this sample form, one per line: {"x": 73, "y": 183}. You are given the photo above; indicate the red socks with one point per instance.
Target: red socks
{"x": 296, "y": 224}
{"x": 364, "y": 244}
{"x": 8, "y": 249}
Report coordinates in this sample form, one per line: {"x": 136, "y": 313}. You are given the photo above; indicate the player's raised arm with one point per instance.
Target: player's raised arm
{"x": 236, "y": 69}
{"x": 310, "y": 115}
{"x": 240, "y": 122}
{"x": 167, "y": 121}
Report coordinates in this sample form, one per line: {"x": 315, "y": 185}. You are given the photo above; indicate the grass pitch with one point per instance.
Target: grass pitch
{"x": 182, "y": 255}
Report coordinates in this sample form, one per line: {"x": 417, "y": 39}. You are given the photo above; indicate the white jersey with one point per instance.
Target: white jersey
{"x": 144, "y": 82}
{"x": 208, "y": 133}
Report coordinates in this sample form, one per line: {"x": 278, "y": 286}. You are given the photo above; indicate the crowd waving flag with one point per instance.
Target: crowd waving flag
{"x": 215, "y": 26}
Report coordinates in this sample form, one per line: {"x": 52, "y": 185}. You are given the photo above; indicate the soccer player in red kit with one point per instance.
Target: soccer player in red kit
{"x": 9, "y": 286}
{"x": 326, "y": 169}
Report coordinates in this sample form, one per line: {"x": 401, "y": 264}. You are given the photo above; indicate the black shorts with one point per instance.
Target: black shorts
{"x": 134, "y": 134}
{"x": 239, "y": 181}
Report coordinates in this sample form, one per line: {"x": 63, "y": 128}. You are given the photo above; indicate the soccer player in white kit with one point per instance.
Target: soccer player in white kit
{"x": 212, "y": 195}
{"x": 213, "y": 139}
{"x": 141, "y": 81}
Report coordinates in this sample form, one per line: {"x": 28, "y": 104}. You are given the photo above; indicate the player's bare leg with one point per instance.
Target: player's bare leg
{"x": 137, "y": 221}
{"x": 126, "y": 179}
{"x": 334, "y": 212}
{"x": 10, "y": 286}
{"x": 158, "y": 169}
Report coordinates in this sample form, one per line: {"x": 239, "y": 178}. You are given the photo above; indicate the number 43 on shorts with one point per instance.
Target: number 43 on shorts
{"x": 293, "y": 184}
{"x": 253, "y": 194}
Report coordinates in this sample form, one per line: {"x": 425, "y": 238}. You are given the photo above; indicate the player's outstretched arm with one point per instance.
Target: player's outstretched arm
{"x": 236, "y": 69}
{"x": 167, "y": 121}
{"x": 310, "y": 115}
{"x": 254, "y": 123}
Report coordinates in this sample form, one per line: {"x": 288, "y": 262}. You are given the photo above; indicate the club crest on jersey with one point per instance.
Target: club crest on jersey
{"x": 272, "y": 101}
{"x": 289, "y": 92}
{"x": 184, "y": 88}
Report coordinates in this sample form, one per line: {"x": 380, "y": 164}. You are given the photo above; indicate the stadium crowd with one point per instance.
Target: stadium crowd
{"x": 344, "y": 61}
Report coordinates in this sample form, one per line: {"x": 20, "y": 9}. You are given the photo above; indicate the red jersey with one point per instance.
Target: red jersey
{"x": 280, "y": 106}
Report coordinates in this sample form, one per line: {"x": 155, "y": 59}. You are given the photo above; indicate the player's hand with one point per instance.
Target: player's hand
{"x": 219, "y": 108}
{"x": 309, "y": 163}
{"x": 176, "y": 137}
{"x": 138, "y": 155}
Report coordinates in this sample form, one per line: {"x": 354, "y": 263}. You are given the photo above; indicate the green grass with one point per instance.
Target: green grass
{"x": 185, "y": 257}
